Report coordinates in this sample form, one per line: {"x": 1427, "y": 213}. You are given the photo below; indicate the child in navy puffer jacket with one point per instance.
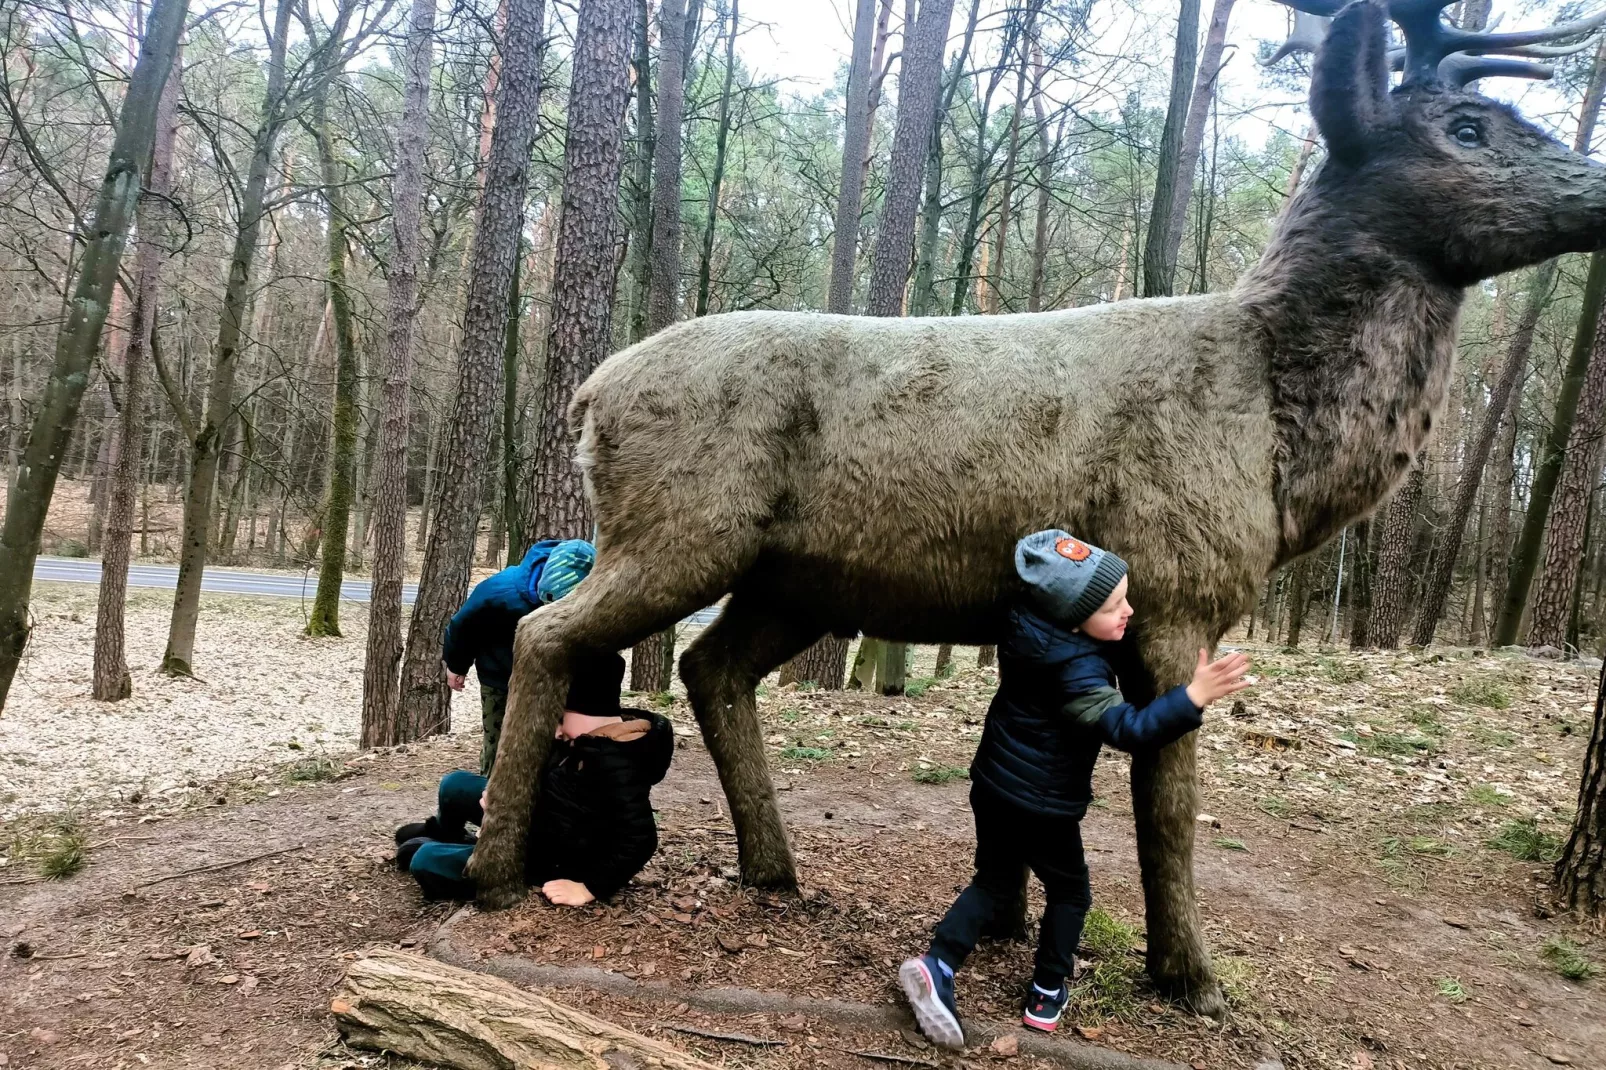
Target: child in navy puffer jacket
{"x": 1032, "y": 778}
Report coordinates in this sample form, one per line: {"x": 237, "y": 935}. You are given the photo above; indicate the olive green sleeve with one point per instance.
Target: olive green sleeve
{"x": 1088, "y": 708}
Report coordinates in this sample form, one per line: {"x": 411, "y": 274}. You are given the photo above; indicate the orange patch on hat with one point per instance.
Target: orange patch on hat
{"x": 1074, "y": 549}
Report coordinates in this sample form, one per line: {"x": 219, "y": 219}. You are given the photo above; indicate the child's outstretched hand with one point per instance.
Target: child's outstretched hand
{"x": 1217, "y": 679}
{"x": 567, "y": 893}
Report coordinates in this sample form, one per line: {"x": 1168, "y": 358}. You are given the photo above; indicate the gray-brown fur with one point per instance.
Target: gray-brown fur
{"x": 844, "y": 474}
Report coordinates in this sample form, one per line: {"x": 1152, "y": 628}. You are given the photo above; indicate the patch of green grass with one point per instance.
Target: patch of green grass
{"x": 1107, "y": 991}
{"x": 1483, "y": 691}
{"x": 312, "y": 769}
{"x": 1452, "y": 989}
{"x": 1395, "y": 744}
{"x": 1486, "y": 795}
{"x": 791, "y": 716}
{"x": 1567, "y": 959}
{"x": 1498, "y": 738}
{"x": 1344, "y": 672}
{"x": 71, "y": 548}
{"x": 1230, "y": 844}
{"x": 762, "y": 691}
{"x": 1236, "y": 975}
{"x": 947, "y": 670}
{"x": 1106, "y": 937}
{"x": 871, "y": 721}
{"x": 663, "y": 699}
{"x": 808, "y": 685}
{"x": 940, "y": 774}
{"x": 56, "y": 847}
{"x": 805, "y": 754}
{"x": 1525, "y": 841}
{"x": 1275, "y": 805}
{"x": 917, "y": 687}
{"x": 1426, "y": 719}
{"x": 1397, "y": 847}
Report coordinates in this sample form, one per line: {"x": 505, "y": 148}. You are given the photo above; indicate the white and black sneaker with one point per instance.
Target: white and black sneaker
{"x": 929, "y": 985}
{"x": 1044, "y": 1009}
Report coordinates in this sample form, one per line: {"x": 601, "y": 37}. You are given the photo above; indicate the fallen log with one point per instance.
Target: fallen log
{"x": 439, "y": 1014}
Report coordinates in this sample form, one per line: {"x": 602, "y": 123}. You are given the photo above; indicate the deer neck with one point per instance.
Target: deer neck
{"x": 1360, "y": 343}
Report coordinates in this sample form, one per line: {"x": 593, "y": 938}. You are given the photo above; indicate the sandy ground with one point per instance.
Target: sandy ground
{"x": 264, "y": 693}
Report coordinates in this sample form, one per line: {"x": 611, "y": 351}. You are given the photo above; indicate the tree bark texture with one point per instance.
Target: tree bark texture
{"x": 855, "y": 146}
{"x": 652, "y": 660}
{"x": 437, "y": 1014}
{"x": 582, "y": 293}
{"x": 425, "y": 700}
{"x": 380, "y": 701}
{"x": 641, "y": 206}
{"x": 1390, "y": 582}
{"x": 1547, "y": 472}
{"x": 1580, "y": 875}
{"x": 207, "y": 441}
{"x": 1441, "y": 571}
{"x": 1360, "y": 585}
{"x": 1299, "y": 599}
{"x": 511, "y": 517}
{"x": 79, "y": 337}
{"x": 717, "y": 180}
{"x": 917, "y": 105}
{"x": 110, "y": 681}
{"x": 1566, "y": 537}
{"x": 1159, "y": 269}
{"x": 1525, "y": 558}
{"x": 324, "y": 618}
{"x": 663, "y": 293}
{"x": 1204, "y": 92}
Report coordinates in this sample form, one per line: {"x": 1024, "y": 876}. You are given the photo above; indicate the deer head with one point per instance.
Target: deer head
{"x": 1436, "y": 174}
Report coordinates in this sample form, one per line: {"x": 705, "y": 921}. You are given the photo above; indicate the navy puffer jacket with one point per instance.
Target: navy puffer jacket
{"x": 1057, "y": 705}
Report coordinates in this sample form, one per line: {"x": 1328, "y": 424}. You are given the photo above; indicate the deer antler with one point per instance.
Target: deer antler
{"x": 1436, "y": 51}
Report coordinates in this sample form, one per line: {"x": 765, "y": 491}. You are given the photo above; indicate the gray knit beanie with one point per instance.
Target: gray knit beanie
{"x": 1067, "y": 579}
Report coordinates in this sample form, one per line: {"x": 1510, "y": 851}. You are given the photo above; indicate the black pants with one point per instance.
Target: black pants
{"x": 1008, "y": 838}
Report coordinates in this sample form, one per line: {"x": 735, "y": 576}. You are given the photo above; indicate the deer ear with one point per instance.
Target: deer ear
{"x": 1349, "y": 90}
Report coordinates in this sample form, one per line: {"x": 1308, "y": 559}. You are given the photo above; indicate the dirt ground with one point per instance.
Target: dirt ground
{"x": 1357, "y": 869}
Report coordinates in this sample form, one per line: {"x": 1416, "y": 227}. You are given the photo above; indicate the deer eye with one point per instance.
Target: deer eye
{"x": 1467, "y": 135}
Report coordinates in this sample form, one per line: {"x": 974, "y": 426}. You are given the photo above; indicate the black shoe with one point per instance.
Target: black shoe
{"x": 1043, "y": 1012}
{"x": 405, "y": 853}
{"x": 431, "y": 829}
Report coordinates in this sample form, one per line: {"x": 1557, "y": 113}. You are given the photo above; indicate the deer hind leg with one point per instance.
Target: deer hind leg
{"x": 721, "y": 669}
{"x": 624, "y": 600}
{"x": 1165, "y": 803}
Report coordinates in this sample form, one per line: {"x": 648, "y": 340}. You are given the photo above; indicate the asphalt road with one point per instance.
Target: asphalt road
{"x": 237, "y": 581}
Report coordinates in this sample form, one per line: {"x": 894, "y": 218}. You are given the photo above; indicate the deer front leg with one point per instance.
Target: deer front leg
{"x": 1165, "y": 803}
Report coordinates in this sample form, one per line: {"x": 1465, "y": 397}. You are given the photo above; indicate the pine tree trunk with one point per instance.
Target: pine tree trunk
{"x": 945, "y": 661}
{"x": 717, "y": 179}
{"x": 1480, "y": 578}
{"x": 425, "y": 699}
{"x": 1391, "y": 584}
{"x": 582, "y": 294}
{"x": 1046, "y": 151}
{"x": 986, "y": 657}
{"x": 1159, "y": 268}
{"x": 1547, "y": 468}
{"x": 1564, "y": 542}
{"x": 1204, "y": 92}
{"x": 79, "y": 336}
{"x": 652, "y": 661}
{"x": 110, "y": 681}
{"x": 511, "y": 518}
{"x": 1299, "y": 599}
{"x": 1360, "y": 586}
{"x": 917, "y": 106}
{"x": 639, "y": 263}
{"x": 1580, "y": 874}
{"x": 381, "y": 726}
{"x": 204, "y": 448}
{"x": 431, "y": 465}
{"x": 324, "y": 619}
{"x": 1441, "y": 569}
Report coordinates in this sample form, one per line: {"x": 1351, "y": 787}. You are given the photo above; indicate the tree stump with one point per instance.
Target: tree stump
{"x": 439, "y": 1014}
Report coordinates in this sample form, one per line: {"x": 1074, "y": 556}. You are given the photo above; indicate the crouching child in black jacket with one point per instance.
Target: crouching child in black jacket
{"x": 593, "y": 826}
{"x": 1032, "y": 778}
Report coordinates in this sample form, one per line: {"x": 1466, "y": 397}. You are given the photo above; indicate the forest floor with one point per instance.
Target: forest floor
{"x": 1370, "y": 869}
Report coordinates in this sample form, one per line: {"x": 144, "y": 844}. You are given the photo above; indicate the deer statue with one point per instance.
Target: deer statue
{"x": 838, "y": 474}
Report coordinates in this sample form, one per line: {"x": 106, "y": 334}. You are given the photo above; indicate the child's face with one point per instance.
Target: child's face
{"x": 1108, "y": 622}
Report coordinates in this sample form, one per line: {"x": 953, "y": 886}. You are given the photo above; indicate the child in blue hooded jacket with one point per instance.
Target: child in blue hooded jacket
{"x": 480, "y": 634}
{"x": 1032, "y": 778}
